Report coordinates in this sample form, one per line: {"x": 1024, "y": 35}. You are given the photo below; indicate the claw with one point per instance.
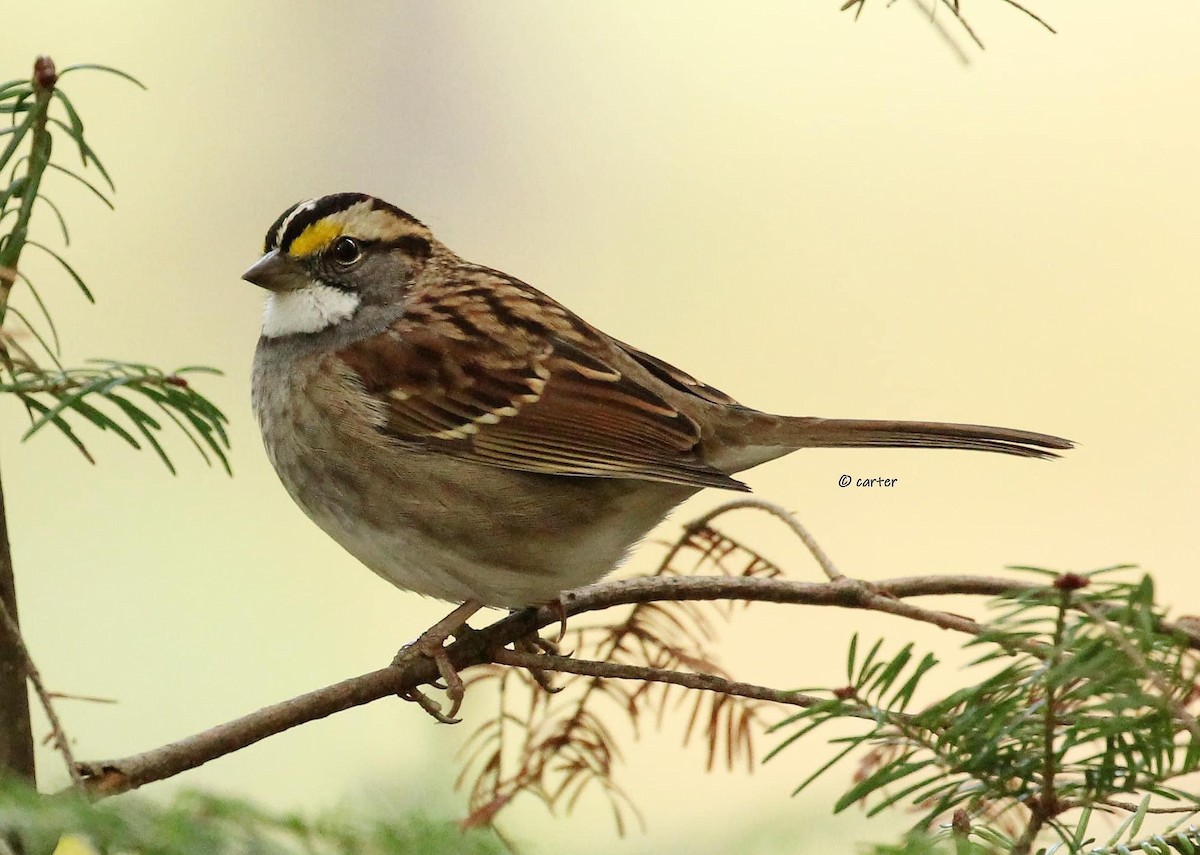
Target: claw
{"x": 432, "y": 644}
{"x": 559, "y": 605}
{"x": 535, "y": 644}
{"x": 429, "y": 705}
{"x": 432, "y": 647}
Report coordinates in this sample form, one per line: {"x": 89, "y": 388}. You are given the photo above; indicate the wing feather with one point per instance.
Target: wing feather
{"x": 551, "y": 402}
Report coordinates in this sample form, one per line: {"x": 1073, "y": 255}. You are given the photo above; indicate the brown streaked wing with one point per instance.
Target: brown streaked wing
{"x": 673, "y": 376}
{"x": 547, "y": 407}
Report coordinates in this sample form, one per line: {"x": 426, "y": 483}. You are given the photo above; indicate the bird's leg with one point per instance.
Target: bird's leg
{"x": 432, "y": 643}
{"x": 534, "y": 644}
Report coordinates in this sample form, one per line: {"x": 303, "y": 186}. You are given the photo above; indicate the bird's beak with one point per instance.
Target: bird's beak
{"x": 276, "y": 272}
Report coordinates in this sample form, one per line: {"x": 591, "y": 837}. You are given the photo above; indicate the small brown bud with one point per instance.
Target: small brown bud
{"x": 176, "y": 380}
{"x": 1071, "y": 582}
{"x": 961, "y": 823}
{"x": 44, "y": 73}
{"x": 845, "y": 693}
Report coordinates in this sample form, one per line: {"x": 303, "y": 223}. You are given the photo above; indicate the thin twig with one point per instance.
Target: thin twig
{"x": 71, "y": 696}
{"x": 614, "y": 670}
{"x": 953, "y": 7}
{"x": 1181, "y": 715}
{"x": 1132, "y": 808}
{"x": 37, "y": 160}
{"x": 61, "y": 742}
{"x": 942, "y": 31}
{"x": 1024, "y": 843}
{"x": 780, "y": 513}
{"x": 1031, "y": 14}
{"x": 1046, "y": 806}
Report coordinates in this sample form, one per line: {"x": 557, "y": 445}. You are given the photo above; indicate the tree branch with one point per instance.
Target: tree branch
{"x": 16, "y": 731}
{"x": 117, "y": 776}
{"x": 13, "y": 634}
{"x": 615, "y": 670}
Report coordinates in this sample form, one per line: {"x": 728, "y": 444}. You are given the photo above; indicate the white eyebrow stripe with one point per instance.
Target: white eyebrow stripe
{"x": 300, "y": 208}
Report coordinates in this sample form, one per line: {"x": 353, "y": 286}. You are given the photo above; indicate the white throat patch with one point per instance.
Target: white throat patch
{"x": 307, "y": 310}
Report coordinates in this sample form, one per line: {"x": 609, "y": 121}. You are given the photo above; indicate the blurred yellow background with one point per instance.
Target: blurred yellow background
{"x": 819, "y": 216}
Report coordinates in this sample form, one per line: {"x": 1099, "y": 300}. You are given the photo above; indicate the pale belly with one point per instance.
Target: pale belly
{"x": 477, "y": 532}
{"x": 513, "y": 554}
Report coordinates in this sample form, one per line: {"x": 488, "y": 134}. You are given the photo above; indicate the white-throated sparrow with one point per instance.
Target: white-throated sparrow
{"x": 468, "y": 438}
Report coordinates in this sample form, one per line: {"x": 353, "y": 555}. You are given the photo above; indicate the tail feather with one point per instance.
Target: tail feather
{"x": 765, "y": 437}
{"x": 854, "y": 433}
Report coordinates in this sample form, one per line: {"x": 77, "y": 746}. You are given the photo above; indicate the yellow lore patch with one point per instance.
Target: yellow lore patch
{"x": 315, "y": 238}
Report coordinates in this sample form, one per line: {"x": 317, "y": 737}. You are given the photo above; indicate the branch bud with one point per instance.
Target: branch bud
{"x": 961, "y": 823}
{"x": 45, "y": 76}
{"x": 1071, "y": 582}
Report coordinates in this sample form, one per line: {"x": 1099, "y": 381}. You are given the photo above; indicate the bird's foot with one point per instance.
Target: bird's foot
{"x": 429, "y": 705}
{"x": 432, "y": 644}
{"x": 534, "y": 644}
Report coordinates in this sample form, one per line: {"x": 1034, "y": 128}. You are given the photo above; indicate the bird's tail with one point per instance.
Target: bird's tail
{"x": 856, "y": 433}
{"x": 773, "y": 436}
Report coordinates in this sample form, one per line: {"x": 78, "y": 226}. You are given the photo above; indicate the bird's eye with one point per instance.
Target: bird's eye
{"x": 346, "y": 251}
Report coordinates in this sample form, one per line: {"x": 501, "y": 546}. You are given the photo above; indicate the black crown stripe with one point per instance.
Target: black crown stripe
{"x": 318, "y": 209}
